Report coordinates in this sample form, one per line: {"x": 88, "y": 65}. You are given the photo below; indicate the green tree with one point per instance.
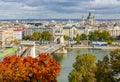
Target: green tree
{"x": 84, "y": 69}
{"x": 78, "y": 38}
{"x": 108, "y": 69}
{"x": 83, "y": 37}
{"x": 46, "y": 36}
{"x": 115, "y": 61}
{"x": 106, "y": 35}
{"x": 109, "y": 41}
{"x": 104, "y": 72}
{"x": 96, "y": 35}
{"x": 28, "y": 37}
{"x": 36, "y": 35}
{"x": 66, "y": 37}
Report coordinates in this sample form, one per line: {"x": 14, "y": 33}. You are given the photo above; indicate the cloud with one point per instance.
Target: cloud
{"x": 105, "y": 3}
{"x": 58, "y": 8}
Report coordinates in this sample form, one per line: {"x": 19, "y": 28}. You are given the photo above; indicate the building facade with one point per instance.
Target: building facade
{"x": 31, "y": 29}
{"x": 90, "y": 19}
{"x": 6, "y": 36}
{"x": 18, "y": 33}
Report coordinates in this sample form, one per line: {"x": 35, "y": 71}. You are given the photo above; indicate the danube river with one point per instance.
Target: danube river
{"x": 66, "y": 60}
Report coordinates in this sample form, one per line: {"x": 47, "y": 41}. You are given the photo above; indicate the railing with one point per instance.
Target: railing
{"x": 27, "y": 43}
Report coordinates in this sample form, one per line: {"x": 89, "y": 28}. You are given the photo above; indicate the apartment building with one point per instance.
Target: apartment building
{"x": 6, "y": 36}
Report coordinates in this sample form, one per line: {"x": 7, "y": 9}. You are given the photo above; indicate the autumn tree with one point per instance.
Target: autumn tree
{"x": 28, "y": 69}
{"x": 84, "y": 69}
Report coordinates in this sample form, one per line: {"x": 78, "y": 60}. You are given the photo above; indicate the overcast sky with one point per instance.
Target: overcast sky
{"x": 42, "y": 9}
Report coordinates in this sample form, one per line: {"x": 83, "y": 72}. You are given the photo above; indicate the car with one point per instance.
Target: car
{"x": 37, "y": 42}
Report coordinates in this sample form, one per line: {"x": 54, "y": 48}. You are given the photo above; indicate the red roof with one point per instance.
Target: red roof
{"x": 19, "y": 29}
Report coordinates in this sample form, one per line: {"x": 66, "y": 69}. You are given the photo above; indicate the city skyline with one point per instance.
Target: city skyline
{"x": 60, "y": 9}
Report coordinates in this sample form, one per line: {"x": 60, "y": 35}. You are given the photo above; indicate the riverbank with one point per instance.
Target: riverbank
{"x": 8, "y": 51}
{"x": 90, "y": 47}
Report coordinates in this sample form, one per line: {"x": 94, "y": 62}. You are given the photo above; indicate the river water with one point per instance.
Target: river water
{"x": 66, "y": 60}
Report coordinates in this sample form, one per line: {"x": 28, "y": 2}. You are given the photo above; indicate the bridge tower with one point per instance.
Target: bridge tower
{"x": 59, "y": 38}
{"x": 30, "y": 45}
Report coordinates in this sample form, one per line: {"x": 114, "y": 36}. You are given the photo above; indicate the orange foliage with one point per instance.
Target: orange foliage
{"x": 28, "y": 69}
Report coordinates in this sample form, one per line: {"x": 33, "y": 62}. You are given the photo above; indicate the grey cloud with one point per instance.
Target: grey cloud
{"x": 47, "y": 8}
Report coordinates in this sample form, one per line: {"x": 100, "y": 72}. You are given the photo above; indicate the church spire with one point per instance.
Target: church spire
{"x": 89, "y": 13}
{"x": 83, "y": 19}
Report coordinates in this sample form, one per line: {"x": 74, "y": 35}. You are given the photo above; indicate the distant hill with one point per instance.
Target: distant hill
{"x": 30, "y": 20}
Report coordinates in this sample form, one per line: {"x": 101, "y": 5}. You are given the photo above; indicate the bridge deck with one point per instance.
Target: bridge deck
{"x": 50, "y": 48}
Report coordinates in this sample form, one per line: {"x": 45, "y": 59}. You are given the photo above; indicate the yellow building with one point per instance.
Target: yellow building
{"x": 71, "y": 31}
{"x": 6, "y": 36}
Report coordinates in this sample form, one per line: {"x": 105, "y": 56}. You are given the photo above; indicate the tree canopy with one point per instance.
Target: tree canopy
{"x": 97, "y": 35}
{"x": 66, "y": 37}
{"x": 106, "y": 35}
{"x": 44, "y": 36}
{"x": 83, "y": 37}
{"x": 36, "y": 35}
{"x": 104, "y": 72}
{"x": 115, "y": 61}
{"x": 28, "y": 69}
{"x": 84, "y": 69}
{"x": 78, "y": 38}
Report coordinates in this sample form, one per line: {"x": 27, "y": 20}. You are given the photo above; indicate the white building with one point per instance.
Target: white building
{"x": 115, "y": 31}
{"x": 18, "y": 34}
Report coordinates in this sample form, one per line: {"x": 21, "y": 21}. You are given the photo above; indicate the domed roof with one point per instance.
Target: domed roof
{"x": 90, "y": 16}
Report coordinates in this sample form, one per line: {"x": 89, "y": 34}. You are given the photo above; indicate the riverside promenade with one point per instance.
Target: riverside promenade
{"x": 90, "y": 47}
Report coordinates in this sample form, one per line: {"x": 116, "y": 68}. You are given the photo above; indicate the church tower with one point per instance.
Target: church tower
{"x": 90, "y": 19}
{"x": 83, "y": 21}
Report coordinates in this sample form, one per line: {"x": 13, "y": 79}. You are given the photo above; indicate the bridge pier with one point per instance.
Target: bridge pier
{"x": 33, "y": 54}
{"x": 59, "y": 36}
{"x": 31, "y": 45}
